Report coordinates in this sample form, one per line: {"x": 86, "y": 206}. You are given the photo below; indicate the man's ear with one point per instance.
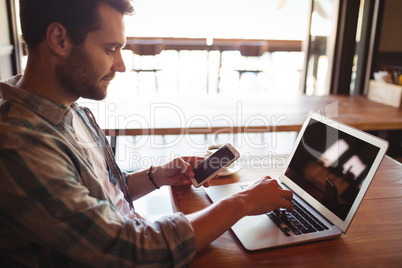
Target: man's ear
{"x": 58, "y": 39}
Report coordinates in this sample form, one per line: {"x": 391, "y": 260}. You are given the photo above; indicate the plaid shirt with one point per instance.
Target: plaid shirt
{"x": 54, "y": 211}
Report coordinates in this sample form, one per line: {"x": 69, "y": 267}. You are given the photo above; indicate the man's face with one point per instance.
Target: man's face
{"x": 91, "y": 66}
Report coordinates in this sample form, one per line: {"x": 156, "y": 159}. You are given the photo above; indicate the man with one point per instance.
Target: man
{"x": 63, "y": 200}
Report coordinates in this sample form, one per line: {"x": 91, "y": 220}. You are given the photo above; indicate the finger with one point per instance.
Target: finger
{"x": 288, "y": 195}
{"x": 287, "y": 205}
{"x": 187, "y": 182}
{"x": 268, "y": 179}
{"x": 193, "y": 160}
{"x": 186, "y": 168}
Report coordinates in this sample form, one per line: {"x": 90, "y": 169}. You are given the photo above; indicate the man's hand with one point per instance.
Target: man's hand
{"x": 177, "y": 172}
{"x": 261, "y": 197}
{"x": 266, "y": 195}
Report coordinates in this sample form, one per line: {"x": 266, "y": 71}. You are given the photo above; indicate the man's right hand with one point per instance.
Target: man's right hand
{"x": 264, "y": 196}
{"x": 260, "y": 197}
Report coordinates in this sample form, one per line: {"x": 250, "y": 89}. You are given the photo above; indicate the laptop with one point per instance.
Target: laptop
{"x": 329, "y": 171}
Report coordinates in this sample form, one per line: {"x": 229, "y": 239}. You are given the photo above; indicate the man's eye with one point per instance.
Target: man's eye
{"x": 110, "y": 51}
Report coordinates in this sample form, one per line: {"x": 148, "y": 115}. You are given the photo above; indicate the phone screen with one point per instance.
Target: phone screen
{"x": 213, "y": 163}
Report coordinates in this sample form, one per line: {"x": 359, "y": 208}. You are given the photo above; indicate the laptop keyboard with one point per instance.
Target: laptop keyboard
{"x": 299, "y": 221}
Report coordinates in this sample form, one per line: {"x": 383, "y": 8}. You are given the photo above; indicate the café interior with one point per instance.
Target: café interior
{"x": 241, "y": 71}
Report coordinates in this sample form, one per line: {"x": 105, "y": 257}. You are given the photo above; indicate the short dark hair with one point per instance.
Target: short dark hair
{"x": 79, "y": 17}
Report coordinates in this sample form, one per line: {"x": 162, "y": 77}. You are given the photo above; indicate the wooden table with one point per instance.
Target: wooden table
{"x": 226, "y": 114}
{"x": 253, "y": 115}
{"x": 374, "y": 238}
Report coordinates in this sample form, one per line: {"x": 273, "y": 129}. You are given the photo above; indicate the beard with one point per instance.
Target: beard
{"x": 78, "y": 77}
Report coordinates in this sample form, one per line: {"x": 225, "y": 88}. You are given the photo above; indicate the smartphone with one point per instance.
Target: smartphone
{"x": 214, "y": 163}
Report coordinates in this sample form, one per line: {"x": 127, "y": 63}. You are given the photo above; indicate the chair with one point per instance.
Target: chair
{"x": 250, "y": 52}
{"x": 145, "y": 50}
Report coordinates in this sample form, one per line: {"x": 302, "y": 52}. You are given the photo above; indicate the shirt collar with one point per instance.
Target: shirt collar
{"x": 47, "y": 109}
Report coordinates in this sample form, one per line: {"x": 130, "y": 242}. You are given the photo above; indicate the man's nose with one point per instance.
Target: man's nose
{"x": 119, "y": 65}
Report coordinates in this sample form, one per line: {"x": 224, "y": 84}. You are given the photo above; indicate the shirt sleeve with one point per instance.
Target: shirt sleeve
{"x": 44, "y": 201}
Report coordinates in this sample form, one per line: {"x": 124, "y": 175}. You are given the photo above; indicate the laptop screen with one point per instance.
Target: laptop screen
{"x": 331, "y": 169}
